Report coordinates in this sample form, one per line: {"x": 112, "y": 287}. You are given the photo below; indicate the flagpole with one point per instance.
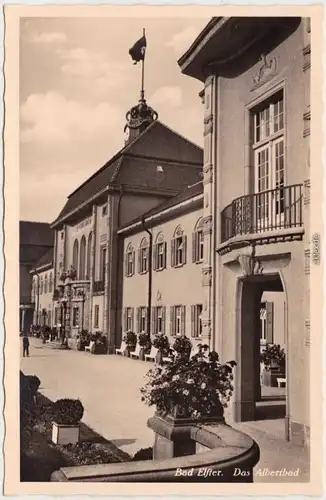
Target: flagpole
{"x": 142, "y": 92}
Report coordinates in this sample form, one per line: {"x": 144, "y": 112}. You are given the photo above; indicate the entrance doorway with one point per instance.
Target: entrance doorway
{"x": 261, "y": 387}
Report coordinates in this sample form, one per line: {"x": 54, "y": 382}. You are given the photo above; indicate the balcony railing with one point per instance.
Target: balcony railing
{"x": 98, "y": 286}
{"x": 271, "y": 210}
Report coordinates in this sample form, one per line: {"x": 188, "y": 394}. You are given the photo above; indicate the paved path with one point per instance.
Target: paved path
{"x": 108, "y": 387}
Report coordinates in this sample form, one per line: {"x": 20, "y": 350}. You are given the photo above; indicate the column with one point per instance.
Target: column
{"x": 92, "y": 268}
{"x": 23, "y": 320}
{"x": 208, "y": 270}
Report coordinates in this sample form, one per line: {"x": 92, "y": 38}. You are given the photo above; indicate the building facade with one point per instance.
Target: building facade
{"x": 169, "y": 239}
{"x": 35, "y": 240}
{"x": 42, "y": 290}
{"x": 256, "y": 103}
{"x": 155, "y": 164}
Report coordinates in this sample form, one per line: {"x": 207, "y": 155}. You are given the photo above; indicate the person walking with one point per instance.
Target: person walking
{"x": 25, "y": 345}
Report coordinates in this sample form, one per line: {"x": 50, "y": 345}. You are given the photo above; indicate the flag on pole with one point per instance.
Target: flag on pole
{"x": 137, "y": 52}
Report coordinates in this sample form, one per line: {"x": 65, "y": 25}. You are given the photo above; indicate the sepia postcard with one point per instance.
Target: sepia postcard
{"x": 163, "y": 235}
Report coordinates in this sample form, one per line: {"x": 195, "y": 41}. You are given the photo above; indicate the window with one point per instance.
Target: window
{"x": 159, "y": 255}
{"x": 196, "y": 325}
{"x": 102, "y": 263}
{"x": 143, "y": 257}
{"x": 50, "y": 283}
{"x": 75, "y": 256}
{"x": 269, "y": 147}
{"x": 104, "y": 210}
{"x": 158, "y": 320}
{"x": 82, "y": 258}
{"x": 41, "y": 285}
{"x": 56, "y": 315}
{"x": 266, "y": 322}
{"x": 178, "y": 248}
{"x": 177, "y": 320}
{"x": 198, "y": 242}
{"x": 129, "y": 261}
{"x": 62, "y": 234}
{"x": 96, "y": 316}
{"x": 75, "y": 316}
{"x": 128, "y": 319}
{"x": 142, "y": 320}
{"x": 89, "y": 256}
{"x": 46, "y": 284}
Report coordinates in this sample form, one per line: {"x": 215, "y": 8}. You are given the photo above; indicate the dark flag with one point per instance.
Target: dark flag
{"x": 137, "y": 52}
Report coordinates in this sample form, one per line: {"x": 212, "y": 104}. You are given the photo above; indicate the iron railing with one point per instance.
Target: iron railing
{"x": 271, "y": 210}
{"x": 98, "y": 286}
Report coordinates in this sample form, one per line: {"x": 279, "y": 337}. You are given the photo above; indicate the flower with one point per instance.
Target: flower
{"x": 175, "y": 378}
{"x": 186, "y": 392}
{"x": 203, "y": 385}
{"x": 190, "y": 381}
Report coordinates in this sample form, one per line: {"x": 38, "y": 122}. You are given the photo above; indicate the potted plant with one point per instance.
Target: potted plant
{"x": 273, "y": 358}
{"x": 67, "y": 414}
{"x": 144, "y": 341}
{"x": 161, "y": 342}
{"x": 83, "y": 340}
{"x": 130, "y": 339}
{"x": 182, "y": 347}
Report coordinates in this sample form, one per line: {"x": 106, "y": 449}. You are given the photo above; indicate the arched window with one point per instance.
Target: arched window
{"x": 82, "y": 258}
{"x": 46, "y": 284}
{"x": 143, "y": 256}
{"x": 41, "y": 285}
{"x": 178, "y": 248}
{"x": 129, "y": 260}
{"x": 75, "y": 256}
{"x": 50, "y": 283}
{"x": 89, "y": 256}
{"x": 198, "y": 242}
{"x": 159, "y": 255}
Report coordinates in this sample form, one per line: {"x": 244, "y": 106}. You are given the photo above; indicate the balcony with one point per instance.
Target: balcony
{"x": 98, "y": 286}
{"x": 276, "y": 210}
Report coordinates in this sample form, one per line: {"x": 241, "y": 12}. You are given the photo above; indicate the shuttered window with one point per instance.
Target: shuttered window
{"x": 143, "y": 257}
{"x": 128, "y": 320}
{"x": 198, "y": 242}
{"x": 159, "y": 253}
{"x": 141, "y": 319}
{"x": 158, "y": 319}
{"x": 177, "y": 320}
{"x": 178, "y": 248}
{"x": 196, "y": 324}
{"x": 96, "y": 316}
{"x": 129, "y": 261}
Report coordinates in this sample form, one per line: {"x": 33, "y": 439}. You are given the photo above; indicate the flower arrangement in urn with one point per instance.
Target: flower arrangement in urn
{"x": 273, "y": 356}
{"x": 144, "y": 341}
{"x": 67, "y": 414}
{"x": 161, "y": 342}
{"x": 197, "y": 388}
{"x": 182, "y": 347}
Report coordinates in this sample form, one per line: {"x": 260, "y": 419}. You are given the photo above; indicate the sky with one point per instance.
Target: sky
{"x": 77, "y": 81}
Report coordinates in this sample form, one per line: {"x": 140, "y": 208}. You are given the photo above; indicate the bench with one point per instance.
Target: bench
{"x": 122, "y": 348}
{"x": 281, "y": 380}
{"x": 152, "y": 355}
{"x": 88, "y": 348}
{"x": 136, "y": 352}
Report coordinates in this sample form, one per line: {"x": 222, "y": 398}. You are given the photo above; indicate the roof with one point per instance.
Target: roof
{"x": 35, "y": 234}
{"x": 157, "y": 143}
{"x": 46, "y": 259}
{"x": 191, "y": 192}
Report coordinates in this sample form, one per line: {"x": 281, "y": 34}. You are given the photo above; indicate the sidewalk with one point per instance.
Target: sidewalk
{"x": 108, "y": 387}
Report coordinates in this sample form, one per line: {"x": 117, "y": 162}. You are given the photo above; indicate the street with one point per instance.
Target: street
{"x": 108, "y": 387}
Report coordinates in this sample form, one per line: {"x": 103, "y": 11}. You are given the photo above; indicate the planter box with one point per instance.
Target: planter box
{"x": 65, "y": 434}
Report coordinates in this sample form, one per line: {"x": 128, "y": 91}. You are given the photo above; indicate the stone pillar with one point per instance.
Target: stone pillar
{"x": 208, "y": 270}
{"x": 23, "y": 320}
{"x": 306, "y": 219}
{"x": 246, "y": 384}
{"x": 92, "y": 268}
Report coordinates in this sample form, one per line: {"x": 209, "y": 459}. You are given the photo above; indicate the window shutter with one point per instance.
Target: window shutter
{"x": 184, "y": 249}
{"x": 163, "y": 319}
{"x": 126, "y": 267}
{"x": 173, "y": 252}
{"x": 154, "y": 257}
{"x": 172, "y": 321}
{"x": 138, "y": 319}
{"x": 193, "y": 322}
{"x": 133, "y": 263}
{"x": 194, "y": 246}
{"x": 183, "y": 320}
{"x": 146, "y": 321}
{"x": 132, "y": 319}
{"x": 164, "y": 255}
{"x": 153, "y": 329}
{"x": 139, "y": 261}
{"x": 124, "y": 319}
{"x": 269, "y": 322}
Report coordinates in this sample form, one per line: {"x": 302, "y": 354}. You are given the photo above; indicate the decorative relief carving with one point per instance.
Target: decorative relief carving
{"x": 307, "y": 333}
{"x": 306, "y": 57}
{"x": 250, "y": 265}
{"x": 307, "y": 261}
{"x": 158, "y": 296}
{"x": 306, "y": 123}
{"x": 207, "y": 276}
{"x": 265, "y": 73}
{"x": 306, "y": 192}
{"x": 208, "y": 128}
{"x": 207, "y": 224}
{"x": 208, "y": 177}
{"x": 103, "y": 238}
